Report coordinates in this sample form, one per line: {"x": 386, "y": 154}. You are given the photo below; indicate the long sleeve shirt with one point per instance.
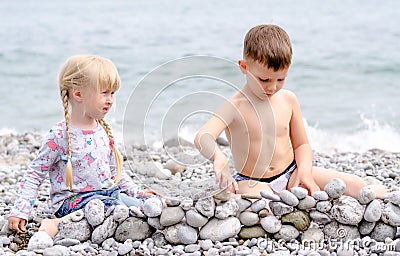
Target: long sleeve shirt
{"x": 93, "y": 168}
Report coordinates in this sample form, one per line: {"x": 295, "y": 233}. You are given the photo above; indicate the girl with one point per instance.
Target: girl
{"x": 79, "y": 153}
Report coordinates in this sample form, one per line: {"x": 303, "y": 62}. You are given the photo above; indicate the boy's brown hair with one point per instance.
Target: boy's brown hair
{"x": 269, "y": 45}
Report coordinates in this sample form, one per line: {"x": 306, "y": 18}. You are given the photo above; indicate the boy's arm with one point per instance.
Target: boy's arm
{"x": 205, "y": 142}
{"x": 302, "y": 148}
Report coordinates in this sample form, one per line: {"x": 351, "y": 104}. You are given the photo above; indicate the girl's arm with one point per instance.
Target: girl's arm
{"x": 33, "y": 178}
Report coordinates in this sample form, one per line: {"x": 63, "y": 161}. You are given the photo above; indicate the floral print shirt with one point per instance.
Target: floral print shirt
{"x": 93, "y": 168}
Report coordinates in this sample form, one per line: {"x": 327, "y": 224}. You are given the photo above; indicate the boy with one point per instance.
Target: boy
{"x": 264, "y": 126}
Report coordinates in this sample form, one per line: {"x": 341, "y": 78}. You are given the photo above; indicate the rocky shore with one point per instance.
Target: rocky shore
{"x": 201, "y": 220}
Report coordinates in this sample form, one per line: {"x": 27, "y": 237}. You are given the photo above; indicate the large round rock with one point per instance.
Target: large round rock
{"x": 335, "y": 188}
{"x": 133, "y": 228}
{"x": 347, "y": 210}
{"x": 219, "y": 230}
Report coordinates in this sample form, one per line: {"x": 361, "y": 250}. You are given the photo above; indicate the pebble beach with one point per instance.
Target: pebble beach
{"x": 201, "y": 220}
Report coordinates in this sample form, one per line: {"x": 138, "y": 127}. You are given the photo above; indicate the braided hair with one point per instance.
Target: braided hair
{"x": 86, "y": 71}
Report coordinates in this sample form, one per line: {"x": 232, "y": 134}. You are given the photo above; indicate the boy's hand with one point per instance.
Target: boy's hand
{"x": 306, "y": 181}
{"x": 16, "y": 224}
{"x": 223, "y": 175}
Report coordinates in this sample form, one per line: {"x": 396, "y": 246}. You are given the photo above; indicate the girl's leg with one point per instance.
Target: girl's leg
{"x": 50, "y": 226}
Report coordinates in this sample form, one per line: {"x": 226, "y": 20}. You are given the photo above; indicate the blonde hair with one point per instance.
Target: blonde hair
{"x": 269, "y": 45}
{"x": 86, "y": 71}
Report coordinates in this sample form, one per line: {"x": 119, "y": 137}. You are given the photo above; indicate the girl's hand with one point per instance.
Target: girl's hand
{"x": 150, "y": 192}
{"x": 16, "y": 224}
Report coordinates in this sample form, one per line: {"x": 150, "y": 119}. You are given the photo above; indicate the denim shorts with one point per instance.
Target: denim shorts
{"x": 109, "y": 197}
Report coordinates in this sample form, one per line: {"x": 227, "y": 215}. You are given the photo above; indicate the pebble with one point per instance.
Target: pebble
{"x": 269, "y": 195}
{"x": 258, "y": 205}
{"x": 366, "y": 195}
{"x": 299, "y": 192}
{"x": 186, "y": 192}
{"x": 320, "y": 195}
{"x": 347, "y": 210}
{"x": 152, "y": 207}
{"x": 271, "y": 224}
{"x": 373, "y": 211}
{"x": 335, "y": 188}
{"x": 288, "y": 198}
{"x": 94, "y": 212}
{"x": 248, "y": 218}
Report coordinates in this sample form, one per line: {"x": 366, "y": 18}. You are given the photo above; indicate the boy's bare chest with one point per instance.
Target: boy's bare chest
{"x": 263, "y": 120}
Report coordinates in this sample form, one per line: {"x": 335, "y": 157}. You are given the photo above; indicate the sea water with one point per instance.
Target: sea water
{"x": 345, "y": 69}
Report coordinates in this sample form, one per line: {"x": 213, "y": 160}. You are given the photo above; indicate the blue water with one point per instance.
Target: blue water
{"x": 345, "y": 71}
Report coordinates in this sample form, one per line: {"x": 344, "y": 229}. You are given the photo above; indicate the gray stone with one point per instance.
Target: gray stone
{"x": 174, "y": 167}
{"x": 171, "y": 234}
{"x": 190, "y": 248}
{"x": 40, "y": 240}
{"x": 271, "y": 224}
{"x": 299, "y": 192}
{"x": 121, "y": 213}
{"x": 243, "y": 204}
{"x": 219, "y": 230}
{"x": 187, "y": 234}
{"x": 252, "y": 232}
{"x": 258, "y": 205}
{"x": 248, "y": 218}
{"x": 366, "y": 195}
{"x": 104, "y": 231}
{"x": 206, "y": 244}
{"x": 80, "y": 230}
{"x": 155, "y": 223}
{"x": 152, "y": 207}
{"x": 67, "y": 242}
{"x": 335, "y": 188}
{"x": 313, "y": 234}
{"x": 171, "y": 216}
{"x": 171, "y": 202}
{"x": 195, "y": 219}
{"x": 125, "y": 248}
{"x": 366, "y": 227}
{"x": 324, "y": 206}
{"x": 319, "y": 217}
{"x": 136, "y": 212}
{"x": 279, "y": 208}
{"x": 373, "y": 211}
{"x": 206, "y": 206}
{"x": 186, "y": 203}
{"x": 306, "y": 203}
{"x": 226, "y": 209}
{"x": 270, "y": 196}
{"x": 393, "y": 197}
{"x": 287, "y": 233}
{"x": 133, "y": 228}
{"x": 320, "y": 195}
{"x": 57, "y": 250}
{"x": 288, "y": 198}
{"x": 336, "y": 230}
{"x": 391, "y": 214}
{"x": 347, "y": 210}
{"x": 382, "y": 231}
{"x": 94, "y": 212}
{"x": 77, "y": 215}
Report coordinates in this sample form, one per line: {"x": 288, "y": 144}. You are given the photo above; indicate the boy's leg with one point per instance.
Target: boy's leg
{"x": 354, "y": 183}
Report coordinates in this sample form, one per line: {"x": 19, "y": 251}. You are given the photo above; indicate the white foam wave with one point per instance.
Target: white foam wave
{"x": 374, "y": 135}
